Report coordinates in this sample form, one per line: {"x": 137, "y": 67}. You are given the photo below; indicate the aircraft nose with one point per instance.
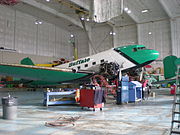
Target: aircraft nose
{"x": 154, "y": 54}
{"x": 146, "y": 56}
{"x": 150, "y": 56}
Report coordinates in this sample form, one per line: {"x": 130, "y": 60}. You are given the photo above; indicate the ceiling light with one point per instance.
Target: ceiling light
{"x": 72, "y": 35}
{"x": 40, "y": 22}
{"x": 145, "y": 10}
{"x": 150, "y": 33}
{"x": 82, "y": 18}
{"x": 87, "y": 19}
{"x": 48, "y": 0}
{"x": 129, "y": 11}
{"x": 112, "y": 33}
{"x": 125, "y": 9}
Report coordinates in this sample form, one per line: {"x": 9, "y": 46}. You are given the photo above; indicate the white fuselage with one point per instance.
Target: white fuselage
{"x": 91, "y": 62}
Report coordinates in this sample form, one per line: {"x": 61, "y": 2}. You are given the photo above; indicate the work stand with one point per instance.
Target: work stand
{"x": 175, "y": 123}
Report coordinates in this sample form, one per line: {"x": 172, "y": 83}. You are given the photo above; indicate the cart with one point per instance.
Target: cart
{"x": 92, "y": 98}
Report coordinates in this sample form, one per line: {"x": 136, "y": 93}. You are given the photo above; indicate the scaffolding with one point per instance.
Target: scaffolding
{"x": 175, "y": 124}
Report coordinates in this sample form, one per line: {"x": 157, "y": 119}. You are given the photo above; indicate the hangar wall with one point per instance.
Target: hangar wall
{"x": 101, "y": 38}
{"x": 125, "y": 35}
{"x": 15, "y": 58}
{"x": 19, "y": 32}
{"x": 156, "y": 35}
{"x": 175, "y": 34}
{"x": 81, "y": 43}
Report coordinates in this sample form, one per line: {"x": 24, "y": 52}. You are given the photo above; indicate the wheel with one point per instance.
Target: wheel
{"x": 93, "y": 109}
{"x": 82, "y": 108}
{"x": 100, "y": 109}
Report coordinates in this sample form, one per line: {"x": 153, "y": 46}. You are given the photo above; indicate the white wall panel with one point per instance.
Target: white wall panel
{"x": 101, "y": 39}
{"x": 159, "y": 38}
{"x": 46, "y": 39}
{"x": 126, "y": 35}
{"x": 63, "y": 47}
{"x": 6, "y": 27}
{"x": 14, "y": 57}
{"x": 81, "y": 42}
{"x": 25, "y": 33}
{"x": 175, "y": 35}
{"x": 18, "y": 31}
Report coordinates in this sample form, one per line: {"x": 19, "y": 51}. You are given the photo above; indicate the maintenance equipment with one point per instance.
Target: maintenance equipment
{"x": 176, "y": 106}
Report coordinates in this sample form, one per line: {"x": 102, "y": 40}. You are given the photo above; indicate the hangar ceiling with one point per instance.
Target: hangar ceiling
{"x": 64, "y": 12}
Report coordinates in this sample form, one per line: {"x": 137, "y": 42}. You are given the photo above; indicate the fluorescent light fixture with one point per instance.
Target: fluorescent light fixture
{"x": 82, "y": 18}
{"x": 145, "y": 11}
{"x": 129, "y": 11}
{"x": 150, "y": 33}
{"x": 87, "y": 19}
{"x": 112, "y": 33}
{"x": 40, "y": 22}
{"x": 125, "y": 9}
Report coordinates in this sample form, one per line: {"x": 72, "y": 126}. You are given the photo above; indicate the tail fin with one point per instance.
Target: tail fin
{"x": 27, "y": 61}
{"x": 169, "y": 66}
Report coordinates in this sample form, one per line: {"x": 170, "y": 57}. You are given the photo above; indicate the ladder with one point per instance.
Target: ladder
{"x": 175, "y": 124}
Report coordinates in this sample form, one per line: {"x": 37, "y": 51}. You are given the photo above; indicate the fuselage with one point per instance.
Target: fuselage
{"x": 126, "y": 56}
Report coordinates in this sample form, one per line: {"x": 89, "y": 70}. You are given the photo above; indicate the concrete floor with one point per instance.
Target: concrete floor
{"x": 151, "y": 117}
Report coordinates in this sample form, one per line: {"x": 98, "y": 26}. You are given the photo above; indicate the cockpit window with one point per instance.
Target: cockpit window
{"x": 134, "y": 49}
{"x": 141, "y": 48}
{"x": 138, "y": 48}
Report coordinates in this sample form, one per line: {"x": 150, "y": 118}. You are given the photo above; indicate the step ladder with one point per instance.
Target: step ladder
{"x": 175, "y": 124}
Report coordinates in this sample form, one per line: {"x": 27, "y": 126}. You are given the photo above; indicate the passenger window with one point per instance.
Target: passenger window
{"x": 102, "y": 61}
{"x": 86, "y": 65}
{"x": 94, "y": 63}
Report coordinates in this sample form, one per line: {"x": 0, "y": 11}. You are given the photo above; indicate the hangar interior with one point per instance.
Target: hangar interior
{"x": 49, "y": 30}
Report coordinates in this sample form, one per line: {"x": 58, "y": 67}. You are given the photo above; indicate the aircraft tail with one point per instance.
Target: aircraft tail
{"x": 27, "y": 61}
{"x": 170, "y": 67}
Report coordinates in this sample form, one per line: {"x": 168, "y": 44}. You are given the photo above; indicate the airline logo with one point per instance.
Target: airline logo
{"x": 79, "y": 62}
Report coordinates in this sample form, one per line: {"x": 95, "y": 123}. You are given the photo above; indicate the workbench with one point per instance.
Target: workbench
{"x": 48, "y": 97}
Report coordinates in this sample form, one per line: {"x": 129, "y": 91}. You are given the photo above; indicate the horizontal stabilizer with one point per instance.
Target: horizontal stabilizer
{"x": 27, "y": 61}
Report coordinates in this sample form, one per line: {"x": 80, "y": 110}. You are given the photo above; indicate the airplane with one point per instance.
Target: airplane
{"x": 124, "y": 58}
{"x": 170, "y": 64}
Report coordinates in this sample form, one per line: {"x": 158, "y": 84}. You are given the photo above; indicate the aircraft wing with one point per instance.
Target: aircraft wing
{"x": 16, "y": 82}
{"x": 165, "y": 81}
{"x": 47, "y": 74}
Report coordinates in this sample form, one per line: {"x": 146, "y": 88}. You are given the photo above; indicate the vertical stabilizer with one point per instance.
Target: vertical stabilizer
{"x": 27, "y": 61}
{"x": 169, "y": 66}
